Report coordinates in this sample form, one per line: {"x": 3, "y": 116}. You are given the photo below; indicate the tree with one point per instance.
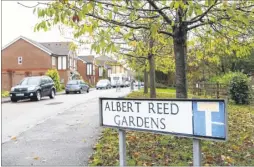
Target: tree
{"x": 103, "y": 20}
{"x": 214, "y": 55}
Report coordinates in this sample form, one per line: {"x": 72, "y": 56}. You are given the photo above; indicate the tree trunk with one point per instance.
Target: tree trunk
{"x": 152, "y": 76}
{"x": 180, "y": 51}
{"x": 145, "y": 82}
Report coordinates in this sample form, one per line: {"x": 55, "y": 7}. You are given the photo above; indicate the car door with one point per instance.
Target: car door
{"x": 49, "y": 85}
{"x": 84, "y": 86}
{"x": 43, "y": 87}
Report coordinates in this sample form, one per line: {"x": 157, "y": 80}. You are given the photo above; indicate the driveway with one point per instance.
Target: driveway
{"x": 58, "y": 132}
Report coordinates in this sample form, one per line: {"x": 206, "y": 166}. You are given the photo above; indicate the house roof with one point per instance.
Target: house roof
{"x": 36, "y": 44}
{"x": 57, "y": 48}
{"x": 87, "y": 59}
{"x": 103, "y": 60}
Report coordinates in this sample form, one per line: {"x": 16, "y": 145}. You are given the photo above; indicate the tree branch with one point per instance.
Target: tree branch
{"x": 199, "y": 17}
{"x": 166, "y": 18}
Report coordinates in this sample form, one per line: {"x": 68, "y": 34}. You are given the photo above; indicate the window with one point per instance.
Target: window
{"x": 59, "y": 63}
{"x": 30, "y": 81}
{"x": 70, "y": 61}
{"x": 44, "y": 81}
{"x": 89, "y": 69}
{"x": 19, "y": 60}
{"x": 109, "y": 72}
{"x": 100, "y": 71}
{"x": 64, "y": 62}
{"x": 75, "y": 64}
{"x": 53, "y": 61}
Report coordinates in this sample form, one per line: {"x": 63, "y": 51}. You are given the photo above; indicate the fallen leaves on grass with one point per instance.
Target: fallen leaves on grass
{"x": 149, "y": 149}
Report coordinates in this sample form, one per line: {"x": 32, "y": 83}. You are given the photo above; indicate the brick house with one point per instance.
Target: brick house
{"x": 87, "y": 69}
{"x": 24, "y": 57}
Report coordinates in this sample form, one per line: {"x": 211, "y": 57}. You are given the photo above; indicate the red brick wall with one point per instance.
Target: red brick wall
{"x": 64, "y": 74}
{"x": 32, "y": 57}
{"x": 10, "y": 79}
{"x": 82, "y": 70}
{"x": 6, "y": 81}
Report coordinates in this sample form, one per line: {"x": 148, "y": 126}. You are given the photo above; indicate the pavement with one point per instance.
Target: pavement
{"x": 52, "y": 132}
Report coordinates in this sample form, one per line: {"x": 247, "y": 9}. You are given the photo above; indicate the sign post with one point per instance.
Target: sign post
{"x": 193, "y": 118}
{"x": 122, "y": 147}
{"x": 197, "y": 157}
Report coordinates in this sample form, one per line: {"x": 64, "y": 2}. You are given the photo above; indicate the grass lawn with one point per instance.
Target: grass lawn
{"x": 147, "y": 149}
{"x": 160, "y": 90}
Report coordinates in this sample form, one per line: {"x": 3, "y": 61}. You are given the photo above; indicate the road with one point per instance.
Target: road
{"x": 60, "y": 131}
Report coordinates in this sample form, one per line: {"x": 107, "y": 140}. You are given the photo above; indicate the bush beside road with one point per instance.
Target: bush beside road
{"x": 146, "y": 149}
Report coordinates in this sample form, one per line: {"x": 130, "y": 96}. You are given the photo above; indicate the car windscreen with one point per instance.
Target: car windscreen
{"x": 30, "y": 81}
{"x": 73, "y": 82}
{"x": 115, "y": 78}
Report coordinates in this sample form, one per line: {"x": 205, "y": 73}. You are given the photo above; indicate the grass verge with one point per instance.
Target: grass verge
{"x": 148, "y": 149}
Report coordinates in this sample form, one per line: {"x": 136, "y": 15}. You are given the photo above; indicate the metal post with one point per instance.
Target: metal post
{"x": 132, "y": 88}
{"x": 197, "y": 157}
{"x": 122, "y": 147}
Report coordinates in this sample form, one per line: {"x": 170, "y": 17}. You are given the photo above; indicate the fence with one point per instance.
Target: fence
{"x": 215, "y": 90}
{"x": 209, "y": 89}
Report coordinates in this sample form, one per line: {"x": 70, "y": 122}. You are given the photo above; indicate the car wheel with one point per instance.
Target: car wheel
{"x": 38, "y": 95}
{"x": 87, "y": 91}
{"x": 52, "y": 94}
{"x": 14, "y": 100}
{"x": 66, "y": 92}
{"x": 81, "y": 91}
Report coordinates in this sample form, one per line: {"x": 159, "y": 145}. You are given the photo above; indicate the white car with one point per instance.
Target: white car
{"x": 103, "y": 84}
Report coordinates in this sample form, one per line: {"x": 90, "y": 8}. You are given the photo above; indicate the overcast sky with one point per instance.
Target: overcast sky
{"x": 18, "y": 20}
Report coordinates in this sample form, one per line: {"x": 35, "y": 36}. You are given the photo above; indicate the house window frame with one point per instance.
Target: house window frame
{"x": 59, "y": 63}
{"x": 74, "y": 64}
{"x": 109, "y": 72}
{"x": 64, "y": 62}
{"x": 53, "y": 59}
{"x": 100, "y": 71}
{"x": 89, "y": 69}
{"x": 20, "y": 59}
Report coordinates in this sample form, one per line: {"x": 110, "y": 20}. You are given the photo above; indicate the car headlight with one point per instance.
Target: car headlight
{"x": 31, "y": 88}
{"x": 12, "y": 89}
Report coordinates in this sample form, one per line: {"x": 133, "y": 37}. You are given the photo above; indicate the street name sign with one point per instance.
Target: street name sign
{"x": 195, "y": 118}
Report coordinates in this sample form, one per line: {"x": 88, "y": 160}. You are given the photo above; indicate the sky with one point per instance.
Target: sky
{"x": 20, "y": 21}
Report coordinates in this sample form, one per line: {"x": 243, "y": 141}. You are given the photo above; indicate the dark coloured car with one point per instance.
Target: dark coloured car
{"x": 33, "y": 88}
{"x": 76, "y": 86}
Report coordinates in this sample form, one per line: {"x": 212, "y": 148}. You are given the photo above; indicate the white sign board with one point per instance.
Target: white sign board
{"x": 191, "y": 118}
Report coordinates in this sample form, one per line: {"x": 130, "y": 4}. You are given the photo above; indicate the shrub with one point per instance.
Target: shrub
{"x": 53, "y": 73}
{"x": 62, "y": 87}
{"x": 5, "y": 93}
{"x": 160, "y": 85}
{"x": 225, "y": 79}
{"x": 239, "y": 89}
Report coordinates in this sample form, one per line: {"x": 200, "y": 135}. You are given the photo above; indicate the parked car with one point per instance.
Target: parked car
{"x": 33, "y": 88}
{"x": 76, "y": 86}
{"x": 127, "y": 84}
{"x": 103, "y": 84}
